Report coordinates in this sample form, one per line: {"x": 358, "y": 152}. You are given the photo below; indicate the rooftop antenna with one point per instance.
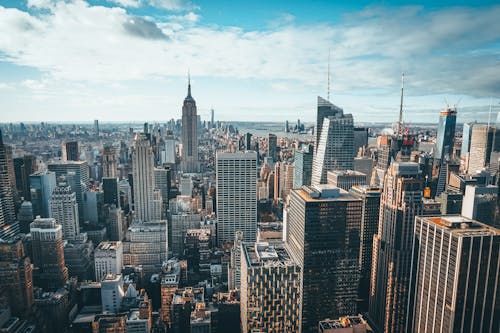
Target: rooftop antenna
{"x": 328, "y": 92}
{"x": 400, "y": 122}
{"x": 489, "y": 115}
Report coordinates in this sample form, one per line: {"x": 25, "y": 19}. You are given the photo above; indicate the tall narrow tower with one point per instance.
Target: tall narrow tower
{"x": 189, "y": 162}
{"x": 401, "y": 201}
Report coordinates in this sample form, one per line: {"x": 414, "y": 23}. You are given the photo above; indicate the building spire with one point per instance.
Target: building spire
{"x": 189, "y": 84}
{"x": 400, "y": 121}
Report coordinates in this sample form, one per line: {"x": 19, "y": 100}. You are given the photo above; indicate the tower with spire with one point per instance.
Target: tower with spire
{"x": 189, "y": 161}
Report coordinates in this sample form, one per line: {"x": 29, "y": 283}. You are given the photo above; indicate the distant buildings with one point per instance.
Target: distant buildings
{"x": 70, "y": 151}
{"x": 109, "y": 162}
{"x": 455, "y": 285}
{"x": 236, "y": 178}
{"x": 272, "y": 306}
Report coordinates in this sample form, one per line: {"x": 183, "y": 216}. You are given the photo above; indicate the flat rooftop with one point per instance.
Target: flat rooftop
{"x": 262, "y": 254}
{"x": 324, "y": 192}
{"x": 463, "y": 226}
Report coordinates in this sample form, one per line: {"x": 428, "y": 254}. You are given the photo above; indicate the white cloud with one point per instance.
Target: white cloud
{"x": 173, "y": 4}
{"x": 75, "y": 41}
{"x": 127, "y": 3}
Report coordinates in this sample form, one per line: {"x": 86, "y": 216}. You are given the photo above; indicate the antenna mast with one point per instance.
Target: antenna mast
{"x": 328, "y": 92}
{"x": 400, "y": 122}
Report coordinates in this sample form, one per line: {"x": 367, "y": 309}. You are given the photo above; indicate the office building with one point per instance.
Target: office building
{"x": 111, "y": 292}
{"x": 360, "y": 139}
{"x": 446, "y": 134}
{"x": 106, "y": 323}
{"x": 270, "y": 289}
{"x": 111, "y": 191}
{"x": 364, "y": 165}
{"x": 189, "y": 161}
{"x": 234, "y": 267}
{"x": 16, "y": 276}
{"x": 479, "y": 203}
{"x": 370, "y": 198}
{"x": 23, "y": 167}
{"x": 455, "y": 285}
{"x": 272, "y": 147}
{"x": 334, "y": 148}
{"x": 108, "y": 162}
{"x": 391, "y": 268}
{"x": 162, "y": 183}
{"x": 146, "y": 244}
{"x": 93, "y": 206}
{"x": 325, "y": 109}
{"x": 303, "y": 166}
{"x": 285, "y": 179}
{"x": 25, "y": 217}
{"x": 180, "y": 224}
{"x": 64, "y": 209}
{"x": 42, "y": 184}
{"x": 70, "y": 151}
{"x": 115, "y": 223}
{"x": 78, "y": 257}
{"x": 77, "y": 177}
{"x": 485, "y": 140}
{"x": 8, "y": 225}
{"x": 48, "y": 253}
{"x": 322, "y": 224}
{"x": 345, "y": 179}
{"x": 236, "y": 190}
{"x": 108, "y": 259}
{"x": 143, "y": 175}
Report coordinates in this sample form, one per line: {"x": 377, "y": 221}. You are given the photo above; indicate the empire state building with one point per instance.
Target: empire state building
{"x": 189, "y": 163}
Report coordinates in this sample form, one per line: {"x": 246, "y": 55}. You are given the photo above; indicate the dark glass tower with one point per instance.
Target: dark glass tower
{"x": 446, "y": 133}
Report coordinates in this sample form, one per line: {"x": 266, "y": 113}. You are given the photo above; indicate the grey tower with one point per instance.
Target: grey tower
{"x": 189, "y": 134}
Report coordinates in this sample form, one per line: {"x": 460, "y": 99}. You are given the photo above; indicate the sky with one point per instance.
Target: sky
{"x": 128, "y": 60}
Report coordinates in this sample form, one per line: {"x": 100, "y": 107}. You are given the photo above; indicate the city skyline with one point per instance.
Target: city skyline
{"x": 258, "y": 60}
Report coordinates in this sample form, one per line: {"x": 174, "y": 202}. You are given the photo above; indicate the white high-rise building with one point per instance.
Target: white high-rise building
{"x": 236, "y": 178}
{"x": 484, "y": 141}
{"x": 112, "y": 292}
{"x": 108, "y": 259}
{"x": 142, "y": 170}
{"x": 64, "y": 209}
{"x": 335, "y": 146}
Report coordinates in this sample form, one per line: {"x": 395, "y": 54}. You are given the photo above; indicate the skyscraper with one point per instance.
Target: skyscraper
{"x": 64, "y": 209}
{"x": 25, "y": 217}
{"x": 189, "y": 162}
{"x": 16, "y": 276}
{"x": 48, "y": 253}
{"x": 236, "y": 178}
{"x": 360, "y": 139}
{"x": 77, "y": 176}
{"x": 70, "y": 151}
{"x": 23, "y": 168}
{"x": 322, "y": 236}
{"x": 455, "y": 285}
{"x": 111, "y": 191}
{"x": 273, "y": 306}
{"x": 369, "y": 224}
{"x": 466, "y": 136}
{"x": 42, "y": 184}
{"x": 303, "y": 166}
{"x": 335, "y": 146}
{"x": 162, "y": 183}
{"x": 401, "y": 201}
{"x": 325, "y": 109}
{"x": 8, "y": 225}
{"x": 108, "y": 162}
{"x": 108, "y": 259}
{"x": 272, "y": 146}
{"x": 484, "y": 140}
{"x": 142, "y": 167}
{"x": 446, "y": 133}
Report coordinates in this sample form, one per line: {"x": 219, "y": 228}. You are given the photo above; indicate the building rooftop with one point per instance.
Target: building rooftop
{"x": 324, "y": 192}
{"x": 108, "y": 246}
{"x": 344, "y": 322}
{"x": 346, "y": 173}
{"x": 262, "y": 254}
{"x": 462, "y": 226}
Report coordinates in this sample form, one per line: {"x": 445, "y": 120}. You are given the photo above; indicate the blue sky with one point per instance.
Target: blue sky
{"x": 127, "y": 60}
